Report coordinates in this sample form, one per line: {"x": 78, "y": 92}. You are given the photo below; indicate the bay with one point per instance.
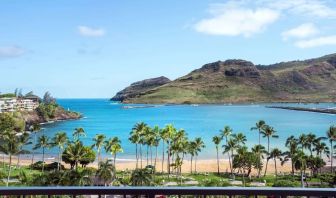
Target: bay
{"x": 205, "y": 121}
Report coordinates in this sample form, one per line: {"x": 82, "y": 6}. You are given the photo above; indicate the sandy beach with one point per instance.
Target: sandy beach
{"x": 203, "y": 165}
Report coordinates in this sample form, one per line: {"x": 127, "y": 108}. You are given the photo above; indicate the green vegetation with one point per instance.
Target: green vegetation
{"x": 305, "y": 153}
{"x": 7, "y": 95}
{"x": 48, "y": 106}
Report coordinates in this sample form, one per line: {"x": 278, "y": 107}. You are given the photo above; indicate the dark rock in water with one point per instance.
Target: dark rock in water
{"x": 139, "y": 87}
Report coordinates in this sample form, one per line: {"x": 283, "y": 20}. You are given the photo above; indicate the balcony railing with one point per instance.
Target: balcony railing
{"x": 152, "y": 192}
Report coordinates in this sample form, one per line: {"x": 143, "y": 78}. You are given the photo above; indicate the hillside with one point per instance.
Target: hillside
{"x": 240, "y": 81}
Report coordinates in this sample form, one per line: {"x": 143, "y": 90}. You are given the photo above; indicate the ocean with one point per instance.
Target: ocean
{"x": 205, "y": 121}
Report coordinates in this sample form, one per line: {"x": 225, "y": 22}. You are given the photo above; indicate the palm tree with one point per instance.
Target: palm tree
{"x": 23, "y": 140}
{"x": 148, "y": 141}
{"x": 259, "y": 150}
{"x": 331, "y": 135}
{"x": 303, "y": 141}
{"x": 141, "y": 177}
{"x": 84, "y": 177}
{"x": 275, "y": 154}
{"x": 59, "y": 140}
{"x": 156, "y": 141}
{"x": 106, "y": 171}
{"x": 259, "y": 126}
{"x": 300, "y": 160}
{"x": 306, "y": 141}
{"x": 98, "y": 143}
{"x": 199, "y": 144}
{"x": 192, "y": 152}
{"x": 268, "y": 132}
{"x": 113, "y": 146}
{"x": 78, "y": 132}
{"x": 321, "y": 148}
{"x": 226, "y": 132}
{"x": 240, "y": 138}
{"x": 42, "y": 142}
{"x": 74, "y": 153}
{"x": 164, "y": 138}
{"x": 179, "y": 149}
{"x": 140, "y": 128}
{"x": 241, "y": 160}
{"x": 170, "y": 132}
{"x": 9, "y": 147}
{"x": 135, "y": 139}
{"x": 34, "y": 129}
{"x": 217, "y": 140}
{"x": 311, "y": 140}
{"x": 230, "y": 148}
{"x": 292, "y": 145}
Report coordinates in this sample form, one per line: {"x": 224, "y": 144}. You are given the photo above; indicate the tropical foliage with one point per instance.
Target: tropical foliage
{"x": 173, "y": 147}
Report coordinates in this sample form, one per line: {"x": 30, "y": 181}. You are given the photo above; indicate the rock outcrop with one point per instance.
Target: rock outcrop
{"x": 137, "y": 88}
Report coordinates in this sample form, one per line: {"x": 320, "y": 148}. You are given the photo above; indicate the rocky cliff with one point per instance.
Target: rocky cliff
{"x": 140, "y": 87}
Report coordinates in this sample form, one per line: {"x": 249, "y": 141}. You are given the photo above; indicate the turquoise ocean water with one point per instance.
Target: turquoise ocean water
{"x": 110, "y": 118}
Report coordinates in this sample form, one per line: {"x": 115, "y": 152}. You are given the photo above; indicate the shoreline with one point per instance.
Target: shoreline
{"x": 228, "y": 103}
{"x": 203, "y": 165}
{"x": 265, "y": 104}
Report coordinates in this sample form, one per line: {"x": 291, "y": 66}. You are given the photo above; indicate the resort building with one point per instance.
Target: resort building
{"x": 18, "y": 104}
{"x": 26, "y": 104}
{"x": 8, "y": 104}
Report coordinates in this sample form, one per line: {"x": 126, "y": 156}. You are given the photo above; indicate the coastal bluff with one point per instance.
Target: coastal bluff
{"x": 60, "y": 114}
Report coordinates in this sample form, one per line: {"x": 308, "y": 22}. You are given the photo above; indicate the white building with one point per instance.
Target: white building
{"x": 26, "y": 104}
{"x": 20, "y": 104}
{"x": 9, "y": 104}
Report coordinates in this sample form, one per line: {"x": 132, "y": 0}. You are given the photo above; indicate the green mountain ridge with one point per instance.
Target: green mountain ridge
{"x": 240, "y": 81}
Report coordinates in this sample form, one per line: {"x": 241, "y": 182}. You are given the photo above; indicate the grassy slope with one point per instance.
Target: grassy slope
{"x": 283, "y": 82}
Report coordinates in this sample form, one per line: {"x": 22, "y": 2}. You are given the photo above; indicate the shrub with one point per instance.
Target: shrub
{"x": 51, "y": 166}
{"x": 286, "y": 183}
{"x": 328, "y": 178}
{"x": 47, "y": 111}
{"x": 215, "y": 182}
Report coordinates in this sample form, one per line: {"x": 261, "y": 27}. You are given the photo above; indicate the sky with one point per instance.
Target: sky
{"x": 94, "y": 48}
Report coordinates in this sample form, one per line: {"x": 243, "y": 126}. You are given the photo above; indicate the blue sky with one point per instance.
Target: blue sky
{"x": 92, "y": 49}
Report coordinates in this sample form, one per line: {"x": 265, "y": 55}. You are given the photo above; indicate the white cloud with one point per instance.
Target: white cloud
{"x": 302, "y": 31}
{"x": 91, "y": 32}
{"x": 317, "y": 42}
{"x": 234, "y": 21}
{"x": 248, "y": 17}
{"x": 314, "y": 8}
{"x": 11, "y": 51}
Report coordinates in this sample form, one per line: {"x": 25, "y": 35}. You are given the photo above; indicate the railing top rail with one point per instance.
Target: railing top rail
{"x": 167, "y": 191}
